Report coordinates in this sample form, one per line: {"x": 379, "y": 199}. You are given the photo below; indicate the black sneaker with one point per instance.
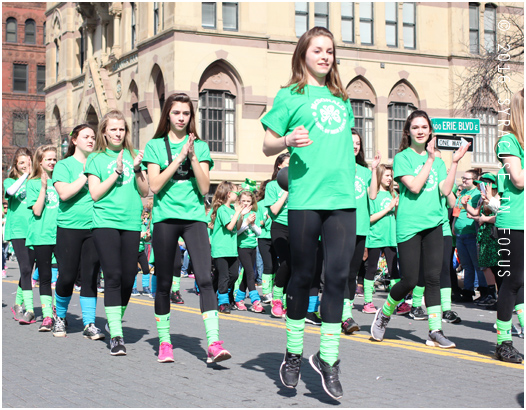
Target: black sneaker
{"x": 92, "y": 332}
{"x": 117, "y": 346}
{"x": 350, "y": 326}
{"x": 175, "y": 297}
{"x": 329, "y": 375}
{"x": 418, "y": 313}
{"x": 289, "y": 371}
{"x": 507, "y": 353}
{"x": 224, "y": 308}
{"x": 450, "y": 316}
{"x": 313, "y": 318}
{"x": 488, "y": 300}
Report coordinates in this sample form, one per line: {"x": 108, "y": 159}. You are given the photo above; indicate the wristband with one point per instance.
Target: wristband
{"x": 286, "y": 145}
{"x": 117, "y": 172}
{"x": 137, "y": 171}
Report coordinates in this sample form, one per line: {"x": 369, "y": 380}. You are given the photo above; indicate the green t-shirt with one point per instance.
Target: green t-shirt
{"x": 273, "y": 192}
{"x": 18, "y": 213}
{"x": 142, "y": 242}
{"x": 361, "y": 186}
{"x": 223, "y": 241}
{"x": 180, "y": 197}
{"x": 511, "y": 211}
{"x": 121, "y": 206}
{"x": 417, "y": 212}
{"x": 76, "y": 212}
{"x": 382, "y": 232}
{"x": 321, "y": 174}
{"x": 464, "y": 225}
{"x": 264, "y": 219}
{"x": 248, "y": 239}
{"x": 42, "y": 229}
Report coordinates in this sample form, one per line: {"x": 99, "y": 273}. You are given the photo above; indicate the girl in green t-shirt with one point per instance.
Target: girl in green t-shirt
{"x": 17, "y": 220}
{"x": 422, "y": 178}
{"x": 116, "y": 184}
{"x": 42, "y": 199}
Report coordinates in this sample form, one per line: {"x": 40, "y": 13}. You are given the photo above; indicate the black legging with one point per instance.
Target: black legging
{"x": 338, "y": 235}
{"x": 511, "y": 271}
{"x": 268, "y": 254}
{"x": 247, "y": 258}
{"x": 44, "y": 255}
{"x": 390, "y": 257}
{"x": 117, "y": 251}
{"x": 426, "y": 249}
{"x": 280, "y": 242}
{"x": 143, "y": 261}
{"x": 75, "y": 248}
{"x": 356, "y": 262}
{"x": 227, "y": 273}
{"x": 165, "y": 243}
{"x": 447, "y": 261}
{"x": 26, "y": 262}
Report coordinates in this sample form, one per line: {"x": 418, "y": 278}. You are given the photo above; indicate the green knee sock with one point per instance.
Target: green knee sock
{"x": 390, "y": 305}
{"x": 19, "y": 296}
{"x": 163, "y": 327}
{"x": 347, "y": 309}
{"x": 28, "y": 300}
{"x": 503, "y": 331}
{"x": 211, "y": 321}
{"x": 238, "y": 281}
{"x": 418, "y": 292}
{"x": 284, "y": 301}
{"x": 295, "y": 330}
{"x": 176, "y": 284}
{"x": 330, "y": 340}
{"x": 393, "y": 282}
{"x": 114, "y": 316}
{"x": 435, "y": 317}
{"x": 266, "y": 280}
{"x": 277, "y": 294}
{"x": 368, "y": 288}
{"x": 445, "y": 299}
{"x": 47, "y": 305}
{"x": 123, "y": 309}
{"x": 520, "y": 313}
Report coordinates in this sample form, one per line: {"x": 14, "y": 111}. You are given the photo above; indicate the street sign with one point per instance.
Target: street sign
{"x": 456, "y": 125}
{"x": 451, "y": 143}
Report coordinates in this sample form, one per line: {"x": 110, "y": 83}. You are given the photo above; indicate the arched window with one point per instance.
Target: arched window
{"x": 402, "y": 102}
{"x": 363, "y": 101}
{"x": 30, "y": 32}
{"x": 11, "y": 30}
{"x": 136, "y": 124}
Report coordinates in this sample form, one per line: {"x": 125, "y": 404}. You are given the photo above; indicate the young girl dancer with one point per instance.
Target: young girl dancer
{"x": 75, "y": 247}
{"x": 42, "y": 198}
{"x": 421, "y": 178}
{"x": 116, "y": 184}
{"x": 178, "y": 167}
{"x": 312, "y": 117}
{"x": 17, "y": 219}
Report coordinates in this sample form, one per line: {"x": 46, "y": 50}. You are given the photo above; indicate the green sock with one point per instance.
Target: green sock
{"x": 238, "y": 281}
{"x": 520, "y": 313}
{"x": 503, "y": 331}
{"x": 47, "y": 305}
{"x": 123, "y": 309}
{"x": 266, "y": 280}
{"x": 390, "y": 305}
{"x": 368, "y": 288}
{"x": 295, "y": 330}
{"x": 176, "y": 284}
{"x": 284, "y": 301}
{"x": 330, "y": 340}
{"x": 19, "y": 296}
{"x": 28, "y": 300}
{"x": 211, "y": 321}
{"x": 277, "y": 294}
{"x": 445, "y": 299}
{"x": 347, "y": 309}
{"x": 163, "y": 327}
{"x": 418, "y": 292}
{"x": 435, "y": 317}
{"x": 114, "y": 316}
{"x": 393, "y": 282}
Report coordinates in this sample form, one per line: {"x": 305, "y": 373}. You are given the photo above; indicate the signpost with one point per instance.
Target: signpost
{"x": 456, "y": 125}
{"x": 452, "y": 143}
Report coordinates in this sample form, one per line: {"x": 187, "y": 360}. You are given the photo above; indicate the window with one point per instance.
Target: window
{"x": 11, "y": 30}
{"x": 133, "y": 24}
{"x": 208, "y": 15}
{"x": 41, "y": 78}
{"x": 409, "y": 16}
{"x": 20, "y": 129}
{"x": 366, "y": 23}
{"x": 41, "y": 129}
{"x": 155, "y": 17}
{"x": 82, "y": 50}
{"x": 30, "y": 32}
{"x": 364, "y": 123}
{"x": 44, "y": 33}
{"x": 397, "y": 113}
{"x": 321, "y": 14}
{"x": 473, "y": 28}
{"x": 301, "y": 20}
{"x": 217, "y": 113}
{"x": 20, "y": 78}
{"x": 391, "y": 24}
{"x": 135, "y": 124}
{"x": 57, "y": 60}
{"x": 484, "y": 143}
{"x": 490, "y": 21}
{"x": 230, "y": 16}
{"x": 347, "y": 11}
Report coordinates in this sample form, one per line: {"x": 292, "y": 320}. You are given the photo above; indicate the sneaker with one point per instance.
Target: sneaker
{"x": 369, "y": 308}
{"x": 76, "y": 287}
{"x": 27, "y": 318}
{"x": 216, "y": 353}
{"x": 514, "y": 330}
{"x": 359, "y": 291}
{"x": 450, "y": 316}
{"x": 100, "y": 289}
{"x": 507, "y": 353}
{"x": 521, "y": 334}
{"x": 277, "y": 309}
{"x": 166, "y": 353}
{"x": 18, "y": 312}
{"x": 4, "y": 273}
{"x": 329, "y": 375}
{"x": 233, "y": 306}
{"x": 146, "y": 291}
{"x": 437, "y": 339}
{"x": 350, "y": 326}
{"x": 403, "y": 309}
{"x": 175, "y": 297}
{"x": 224, "y": 308}
{"x": 117, "y": 347}
{"x": 418, "y": 313}
{"x": 488, "y": 300}
{"x": 313, "y": 318}
{"x": 47, "y": 325}
{"x": 135, "y": 292}
{"x": 184, "y": 275}
{"x": 379, "y": 325}
{"x": 191, "y": 276}
{"x": 267, "y": 298}
{"x": 289, "y": 371}
{"x": 152, "y": 295}
{"x": 59, "y": 327}
{"x": 92, "y": 332}
{"x": 257, "y": 307}
{"x": 241, "y": 305}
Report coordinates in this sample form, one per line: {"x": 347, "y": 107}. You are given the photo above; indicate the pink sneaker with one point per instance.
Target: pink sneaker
{"x": 369, "y": 308}
{"x": 192, "y": 276}
{"x": 257, "y": 307}
{"x": 166, "y": 354}
{"x": 4, "y": 273}
{"x": 216, "y": 353}
{"x": 33, "y": 283}
{"x": 277, "y": 309}
{"x": 403, "y": 309}
{"x": 241, "y": 305}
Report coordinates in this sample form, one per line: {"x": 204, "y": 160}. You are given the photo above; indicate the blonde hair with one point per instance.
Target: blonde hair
{"x": 252, "y": 197}
{"x": 20, "y": 152}
{"x": 516, "y": 126}
{"x": 380, "y": 171}
{"x": 100, "y": 140}
{"x": 220, "y": 198}
{"x": 36, "y": 171}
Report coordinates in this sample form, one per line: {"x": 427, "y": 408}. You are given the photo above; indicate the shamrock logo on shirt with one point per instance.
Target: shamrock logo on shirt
{"x": 51, "y": 198}
{"x": 432, "y": 179}
{"x": 359, "y": 187}
{"x": 329, "y": 113}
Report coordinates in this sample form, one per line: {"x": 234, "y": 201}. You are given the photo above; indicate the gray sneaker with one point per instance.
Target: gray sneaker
{"x": 18, "y": 312}
{"x": 27, "y": 318}
{"x": 379, "y": 325}
{"x": 59, "y": 327}
{"x": 92, "y": 332}
{"x": 437, "y": 339}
